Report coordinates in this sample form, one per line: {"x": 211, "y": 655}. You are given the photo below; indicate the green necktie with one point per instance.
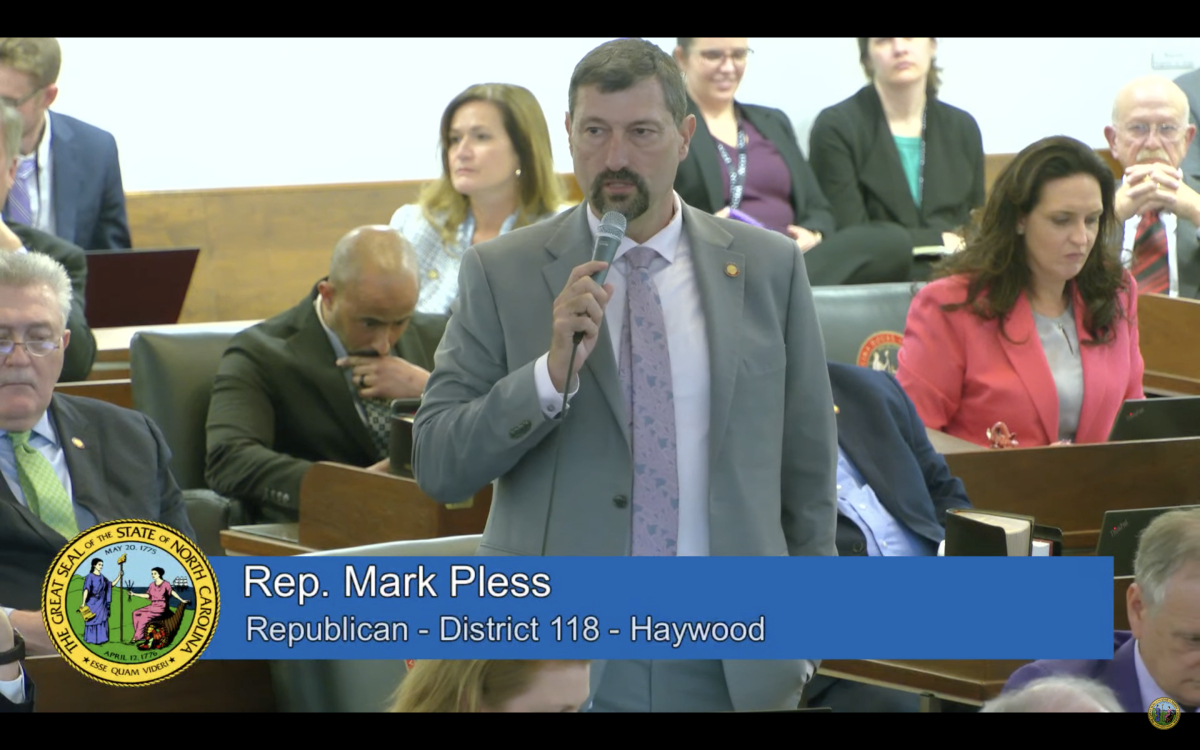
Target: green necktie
{"x": 44, "y": 493}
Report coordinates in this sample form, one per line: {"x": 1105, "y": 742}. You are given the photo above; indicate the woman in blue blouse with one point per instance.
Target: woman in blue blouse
{"x": 497, "y": 175}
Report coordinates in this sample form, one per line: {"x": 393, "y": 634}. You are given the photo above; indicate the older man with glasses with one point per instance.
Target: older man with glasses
{"x": 68, "y": 463}
{"x": 1159, "y": 203}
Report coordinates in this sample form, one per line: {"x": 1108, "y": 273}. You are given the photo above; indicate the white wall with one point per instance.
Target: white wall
{"x": 208, "y": 113}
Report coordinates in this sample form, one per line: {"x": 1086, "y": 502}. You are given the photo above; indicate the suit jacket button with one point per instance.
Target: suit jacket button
{"x": 520, "y": 430}
{"x": 859, "y": 547}
{"x": 621, "y": 501}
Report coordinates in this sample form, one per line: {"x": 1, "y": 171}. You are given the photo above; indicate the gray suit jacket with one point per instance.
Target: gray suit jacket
{"x": 773, "y": 439}
{"x": 1187, "y": 248}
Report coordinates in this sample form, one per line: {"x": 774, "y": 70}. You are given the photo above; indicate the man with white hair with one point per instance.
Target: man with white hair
{"x": 1160, "y": 658}
{"x": 1157, "y": 201}
{"x": 19, "y": 238}
{"x": 68, "y": 463}
{"x": 1056, "y": 695}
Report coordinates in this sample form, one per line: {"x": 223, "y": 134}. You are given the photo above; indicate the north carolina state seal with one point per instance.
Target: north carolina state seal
{"x": 879, "y": 351}
{"x": 130, "y": 602}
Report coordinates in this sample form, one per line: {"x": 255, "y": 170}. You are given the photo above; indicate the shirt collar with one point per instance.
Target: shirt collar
{"x": 1147, "y": 687}
{"x": 666, "y": 242}
{"x": 42, "y": 153}
{"x": 338, "y": 349}
{"x": 43, "y": 429}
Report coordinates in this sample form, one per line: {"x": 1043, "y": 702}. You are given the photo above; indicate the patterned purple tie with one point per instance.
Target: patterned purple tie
{"x": 650, "y": 402}
{"x": 19, "y": 209}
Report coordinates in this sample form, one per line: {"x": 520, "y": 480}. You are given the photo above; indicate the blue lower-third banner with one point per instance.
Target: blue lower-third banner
{"x": 662, "y": 608}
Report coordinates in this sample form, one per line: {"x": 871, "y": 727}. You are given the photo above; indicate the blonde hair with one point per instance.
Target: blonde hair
{"x": 41, "y": 58}
{"x": 540, "y": 192}
{"x": 468, "y": 686}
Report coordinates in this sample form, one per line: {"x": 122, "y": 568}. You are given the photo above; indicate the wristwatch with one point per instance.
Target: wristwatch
{"x": 16, "y": 653}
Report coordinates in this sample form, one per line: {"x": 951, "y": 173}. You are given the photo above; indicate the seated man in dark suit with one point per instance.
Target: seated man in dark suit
{"x": 893, "y": 490}
{"x": 1160, "y": 658}
{"x": 68, "y": 463}
{"x": 315, "y": 383}
{"x": 20, "y": 238}
{"x": 69, "y": 181}
{"x": 16, "y": 689}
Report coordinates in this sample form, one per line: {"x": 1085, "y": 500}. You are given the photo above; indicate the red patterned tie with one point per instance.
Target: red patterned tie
{"x": 1150, "y": 266}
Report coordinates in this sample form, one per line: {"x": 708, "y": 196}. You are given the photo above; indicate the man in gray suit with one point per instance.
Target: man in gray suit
{"x": 1158, "y": 202}
{"x": 734, "y": 455}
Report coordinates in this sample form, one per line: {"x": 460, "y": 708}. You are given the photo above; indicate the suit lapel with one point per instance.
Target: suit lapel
{"x": 882, "y": 172}
{"x": 52, "y": 538}
{"x": 84, "y": 454}
{"x": 704, "y": 147}
{"x": 68, "y": 180}
{"x": 571, "y": 246}
{"x": 1121, "y": 676}
{"x": 1029, "y": 362}
{"x": 721, "y": 298}
{"x": 312, "y": 350}
{"x": 1095, "y": 384}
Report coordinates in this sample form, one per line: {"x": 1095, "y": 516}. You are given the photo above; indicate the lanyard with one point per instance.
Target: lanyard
{"x": 737, "y": 177}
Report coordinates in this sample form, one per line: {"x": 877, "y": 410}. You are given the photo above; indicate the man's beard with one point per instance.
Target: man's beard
{"x": 632, "y": 206}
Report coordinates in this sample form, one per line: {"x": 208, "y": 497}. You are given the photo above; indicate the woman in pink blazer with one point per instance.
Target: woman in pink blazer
{"x": 1034, "y": 324}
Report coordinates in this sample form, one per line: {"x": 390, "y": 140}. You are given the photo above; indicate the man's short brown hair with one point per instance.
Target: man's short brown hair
{"x": 40, "y": 58}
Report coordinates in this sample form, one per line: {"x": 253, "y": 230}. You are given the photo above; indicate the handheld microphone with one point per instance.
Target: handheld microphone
{"x": 608, "y": 239}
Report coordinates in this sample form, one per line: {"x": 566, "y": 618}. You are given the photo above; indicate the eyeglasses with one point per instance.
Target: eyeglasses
{"x": 716, "y": 56}
{"x": 14, "y": 103}
{"x": 37, "y": 348}
{"x": 1167, "y": 131}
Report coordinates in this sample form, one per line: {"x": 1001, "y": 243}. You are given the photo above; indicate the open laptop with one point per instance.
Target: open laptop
{"x": 137, "y": 287}
{"x": 1157, "y": 419}
{"x": 1120, "y": 531}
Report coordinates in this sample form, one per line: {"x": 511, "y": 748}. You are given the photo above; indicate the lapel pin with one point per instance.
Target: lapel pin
{"x": 836, "y": 410}
{"x": 731, "y": 270}
{"x": 77, "y": 442}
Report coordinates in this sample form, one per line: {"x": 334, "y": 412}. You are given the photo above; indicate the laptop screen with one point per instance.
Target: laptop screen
{"x": 1119, "y": 534}
{"x": 1157, "y": 419}
{"x": 137, "y": 287}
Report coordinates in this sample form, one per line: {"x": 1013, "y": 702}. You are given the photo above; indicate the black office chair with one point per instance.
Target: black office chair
{"x": 171, "y": 375}
{"x": 864, "y": 325}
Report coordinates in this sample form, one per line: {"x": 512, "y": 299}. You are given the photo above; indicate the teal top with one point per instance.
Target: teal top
{"x": 910, "y": 159}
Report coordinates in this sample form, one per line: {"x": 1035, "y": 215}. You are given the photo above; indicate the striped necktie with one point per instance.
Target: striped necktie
{"x": 44, "y": 493}
{"x": 1150, "y": 266}
{"x": 19, "y": 204}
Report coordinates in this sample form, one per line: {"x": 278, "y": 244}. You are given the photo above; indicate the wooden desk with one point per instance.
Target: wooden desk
{"x": 1071, "y": 486}
{"x": 344, "y": 506}
{"x": 117, "y": 392}
{"x": 205, "y": 687}
{"x": 1166, "y": 327}
{"x": 973, "y": 682}
{"x": 265, "y": 540}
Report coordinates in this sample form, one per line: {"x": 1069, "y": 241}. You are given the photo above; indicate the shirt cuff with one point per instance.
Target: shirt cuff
{"x": 14, "y": 690}
{"x": 549, "y": 397}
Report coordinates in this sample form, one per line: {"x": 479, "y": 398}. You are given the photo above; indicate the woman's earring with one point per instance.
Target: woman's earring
{"x": 518, "y": 171}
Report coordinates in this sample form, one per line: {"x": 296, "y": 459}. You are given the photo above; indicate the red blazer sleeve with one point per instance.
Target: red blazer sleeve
{"x": 931, "y": 361}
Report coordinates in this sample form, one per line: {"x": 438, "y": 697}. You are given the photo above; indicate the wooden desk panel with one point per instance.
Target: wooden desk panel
{"x": 205, "y": 687}
{"x": 117, "y": 392}
{"x": 263, "y": 540}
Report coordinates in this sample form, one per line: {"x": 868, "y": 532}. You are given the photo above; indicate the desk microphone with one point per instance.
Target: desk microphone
{"x": 608, "y": 239}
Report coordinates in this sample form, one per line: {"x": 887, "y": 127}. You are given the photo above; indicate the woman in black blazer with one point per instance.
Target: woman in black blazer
{"x": 893, "y": 153}
{"x": 745, "y": 163}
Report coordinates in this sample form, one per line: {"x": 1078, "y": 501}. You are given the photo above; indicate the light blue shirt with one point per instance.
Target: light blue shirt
{"x": 45, "y": 440}
{"x": 1147, "y": 687}
{"x": 885, "y": 535}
